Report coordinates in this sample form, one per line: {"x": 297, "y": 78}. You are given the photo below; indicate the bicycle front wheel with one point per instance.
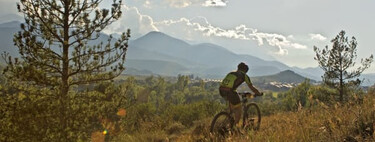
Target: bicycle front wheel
{"x": 221, "y": 125}
{"x": 251, "y": 117}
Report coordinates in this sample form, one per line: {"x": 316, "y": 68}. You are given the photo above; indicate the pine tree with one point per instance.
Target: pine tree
{"x": 338, "y": 60}
{"x": 54, "y": 44}
{"x": 59, "y": 50}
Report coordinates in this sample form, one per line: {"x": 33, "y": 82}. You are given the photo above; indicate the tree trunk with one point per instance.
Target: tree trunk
{"x": 65, "y": 71}
{"x": 341, "y": 88}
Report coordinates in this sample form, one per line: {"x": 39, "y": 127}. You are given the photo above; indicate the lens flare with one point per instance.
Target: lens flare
{"x": 97, "y": 137}
{"x": 105, "y": 132}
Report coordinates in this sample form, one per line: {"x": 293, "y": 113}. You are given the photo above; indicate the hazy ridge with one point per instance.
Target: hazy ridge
{"x": 160, "y": 54}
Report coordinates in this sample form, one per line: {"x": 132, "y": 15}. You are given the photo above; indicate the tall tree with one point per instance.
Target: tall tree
{"x": 54, "y": 44}
{"x": 338, "y": 60}
{"x": 58, "y": 47}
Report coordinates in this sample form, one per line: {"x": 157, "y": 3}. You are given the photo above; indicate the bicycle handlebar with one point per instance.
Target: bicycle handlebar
{"x": 245, "y": 94}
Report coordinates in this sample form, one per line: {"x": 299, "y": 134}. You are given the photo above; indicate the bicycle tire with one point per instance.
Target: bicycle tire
{"x": 221, "y": 124}
{"x": 252, "y": 117}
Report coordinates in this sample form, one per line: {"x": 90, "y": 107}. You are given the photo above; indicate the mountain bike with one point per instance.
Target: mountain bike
{"x": 223, "y": 122}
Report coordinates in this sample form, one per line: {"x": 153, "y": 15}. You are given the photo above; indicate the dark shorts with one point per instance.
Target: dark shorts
{"x": 230, "y": 95}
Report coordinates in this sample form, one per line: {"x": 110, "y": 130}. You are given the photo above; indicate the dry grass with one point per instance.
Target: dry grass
{"x": 349, "y": 122}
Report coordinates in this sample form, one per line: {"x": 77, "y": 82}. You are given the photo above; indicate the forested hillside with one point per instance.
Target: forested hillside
{"x": 161, "y": 109}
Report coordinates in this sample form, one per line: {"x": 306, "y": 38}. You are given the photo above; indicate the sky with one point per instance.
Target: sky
{"x": 282, "y": 30}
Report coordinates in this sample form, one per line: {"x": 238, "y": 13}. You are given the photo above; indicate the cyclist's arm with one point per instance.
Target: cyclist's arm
{"x": 255, "y": 90}
{"x": 250, "y": 85}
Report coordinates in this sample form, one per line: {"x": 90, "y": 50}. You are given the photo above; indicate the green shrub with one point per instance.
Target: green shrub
{"x": 323, "y": 94}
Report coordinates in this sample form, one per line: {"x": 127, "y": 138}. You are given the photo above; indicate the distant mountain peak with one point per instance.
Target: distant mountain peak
{"x": 287, "y": 72}
{"x": 290, "y": 73}
{"x": 11, "y": 17}
{"x": 11, "y": 24}
{"x": 158, "y": 39}
{"x": 286, "y": 76}
{"x": 156, "y": 34}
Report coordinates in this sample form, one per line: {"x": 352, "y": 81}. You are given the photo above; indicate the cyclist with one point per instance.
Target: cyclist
{"x": 228, "y": 89}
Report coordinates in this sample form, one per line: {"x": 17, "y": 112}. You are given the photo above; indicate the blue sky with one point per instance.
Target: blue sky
{"x": 283, "y": 30}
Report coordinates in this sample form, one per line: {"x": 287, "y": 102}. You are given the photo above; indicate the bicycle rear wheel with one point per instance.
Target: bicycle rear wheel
{"x": 221, "y": 125}
{"x": 251, "y": 117}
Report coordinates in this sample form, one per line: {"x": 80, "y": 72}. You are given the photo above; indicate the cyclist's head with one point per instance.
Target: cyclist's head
{"x": 243, "y": 67}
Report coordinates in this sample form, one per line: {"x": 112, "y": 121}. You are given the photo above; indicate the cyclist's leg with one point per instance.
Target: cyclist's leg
{"x": 223, "y": 94}
{"x": 235, "y": 106}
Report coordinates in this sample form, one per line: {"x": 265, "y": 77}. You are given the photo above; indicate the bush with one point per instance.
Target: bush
{"x": 323, "y": 94}
{"x": 186, "y": 114}
{"x": 34, "y": 114}
{"x": 138, "y": 115}
{"x": 175, "y": 128}
{"x": 296, "y": 97}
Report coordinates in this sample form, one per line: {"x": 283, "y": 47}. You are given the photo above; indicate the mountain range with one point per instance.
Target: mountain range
{"x": 160, "y": 54}
{"x": 205, "y": 59}
{"x": 286, "y": 76}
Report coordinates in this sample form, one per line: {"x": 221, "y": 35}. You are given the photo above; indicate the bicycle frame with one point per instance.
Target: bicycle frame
{"x": 228, "y": 115}
{"x": 244, "y": 100}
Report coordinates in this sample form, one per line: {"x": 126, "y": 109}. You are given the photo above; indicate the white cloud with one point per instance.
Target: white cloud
{"x": 215, "y": 3}
{"x": 317, "y": 37}
{"x": 182, "y": 3}
{"x": 199, "y": 28}
{"x": 178, "y": 3}
{"x": 132, "y": 19}
{"x": 291, "y": 37}
{"x": 241, "y": 32}
{"x": 147, "y": 4}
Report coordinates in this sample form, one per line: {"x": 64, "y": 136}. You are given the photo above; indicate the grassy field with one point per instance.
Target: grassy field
{"x": 274, "y": 94}
{"x": 354, "y": 121}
